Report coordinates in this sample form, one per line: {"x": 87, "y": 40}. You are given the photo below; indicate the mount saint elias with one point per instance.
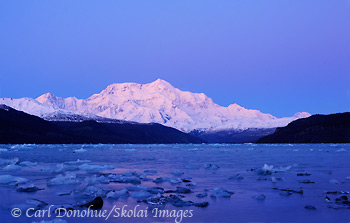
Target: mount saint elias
{"x": 156, "y": 102}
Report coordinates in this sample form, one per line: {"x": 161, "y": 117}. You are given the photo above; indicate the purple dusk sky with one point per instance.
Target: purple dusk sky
{"x": 277, "y": 56}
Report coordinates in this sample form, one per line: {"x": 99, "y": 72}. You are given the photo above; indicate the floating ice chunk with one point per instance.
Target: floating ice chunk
{"x": 177, "y": 172}
{"x": 175, "y": 180}
{"x": 94, "y": 191}
{"x": 161, "y": 180}
{"x": 150, "y": 171}
{"x": 260, "y": 197}
{"x": 219, "y": 192}
{"x": 273, "y": 180}
{"x": 12, "y": 167}
{"x": 9, "y": 179}
{"x": 81, "y": 150}
{"x": 95, "y": 168}
{"x": 192, "y": 184}
{"x": 167, "y": 179}
{"x": 68, "y": 178}
{"x": 3, "y": 150}
{"x": 121, "y": 194}
{"x": 141, "y": 195}
{"x": 137, "y": 188}
{"x": 144, "y": 177}
{"x": 112, "y": 194}
{"x": 282, "y": 169}
{"x": 267, "y": 167}
{"x": 63, "y": 168}
{"x": 347, "y": 178}
{"x": 201, "y": 195}
{"x": 124, "y": 179}
{"x": 8, "y": 161}
{"x": 28, "y": 188}
{"x": 341, "y": 150}
{"x": 28, "y": 163}
{"x": 183, "y": 190}
{"x": 96, "y": 180}
{"x": 334, "y": 181}
{"x": 156, "y": 190}
{"x": 265, "y": 170}
{"x": 78, "y": 161}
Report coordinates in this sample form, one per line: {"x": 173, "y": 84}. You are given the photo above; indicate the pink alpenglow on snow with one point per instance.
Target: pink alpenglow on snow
{"x": 157, "y": 102}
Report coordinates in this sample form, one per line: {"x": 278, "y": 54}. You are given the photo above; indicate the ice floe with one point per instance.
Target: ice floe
{"x": 219, "y": 192}
{"x": 12, "y": 180}
{"x": 28, "y": 188}
{"x": 81, "y": 150}
{"x": 28, "y": 163}
{"x": 96, "y": 180}
{"x": 177, "y": 172}
{"x": 4, "y": 162}
{"x": 12, "y": 167}
{"x": 120, "y": 194}
{"x": 95, "y": 168}
{"x": 260, "y": 197}
{"x": 68, "y": 178}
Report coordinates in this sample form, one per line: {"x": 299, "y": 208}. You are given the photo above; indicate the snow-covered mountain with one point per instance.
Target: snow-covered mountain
{"x": 158, "y": 102}
{"x": 33, "y": 107}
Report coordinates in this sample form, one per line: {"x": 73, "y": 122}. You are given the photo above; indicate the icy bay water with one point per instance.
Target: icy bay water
{"x": 71, "y": 175}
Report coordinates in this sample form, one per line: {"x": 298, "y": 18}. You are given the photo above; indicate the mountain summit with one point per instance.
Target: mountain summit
{"x": 157, "y": 102}
{"x": 162, "y": 103}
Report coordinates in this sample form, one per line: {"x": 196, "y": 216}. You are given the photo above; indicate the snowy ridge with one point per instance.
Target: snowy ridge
{"x": 158, "y": 102}
{"x": 48, "y": 112}
{"x": 33, "y": 107}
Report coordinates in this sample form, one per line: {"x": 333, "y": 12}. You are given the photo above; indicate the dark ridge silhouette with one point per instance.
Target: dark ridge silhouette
{"x": 17, "y": 127}
{"x": 334, "y": 128}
